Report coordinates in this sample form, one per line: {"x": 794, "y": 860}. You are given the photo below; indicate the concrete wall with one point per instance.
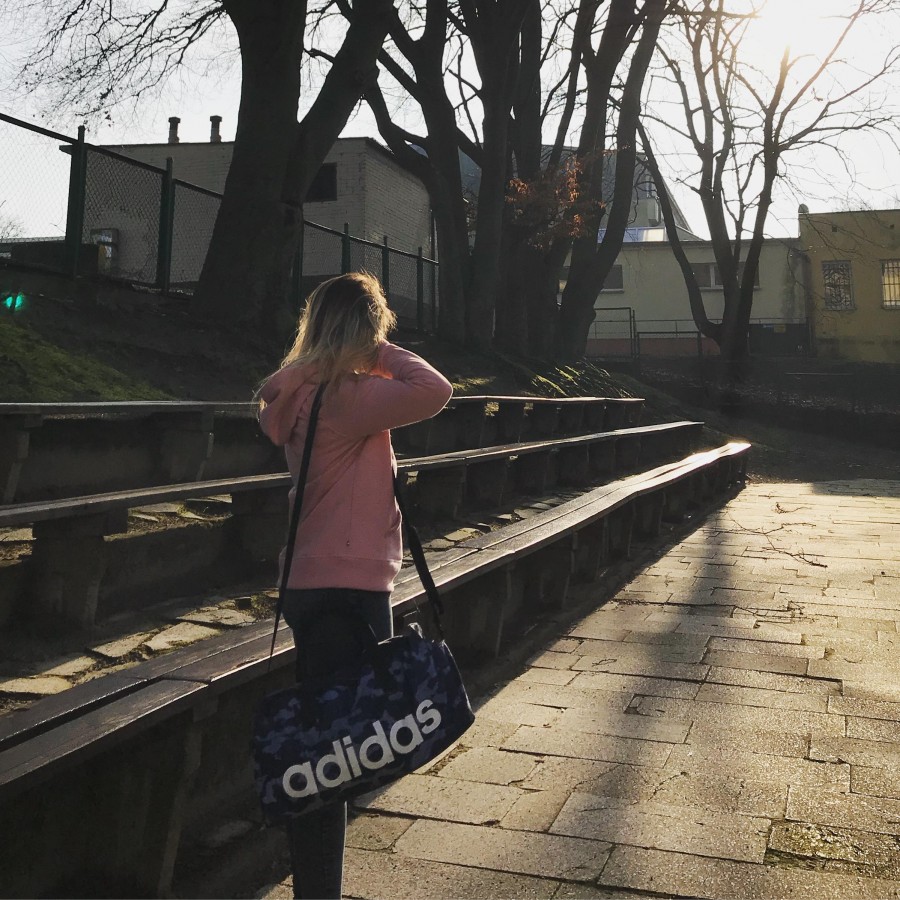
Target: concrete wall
{"x": 867, "y": 331}
{"x": 375, "y": 196}
{"x": 653, "y": 287}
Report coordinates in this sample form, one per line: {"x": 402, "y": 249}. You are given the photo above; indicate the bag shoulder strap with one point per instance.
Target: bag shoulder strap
{"x": 418, "y": 554}
{"x": 295, "y": 511}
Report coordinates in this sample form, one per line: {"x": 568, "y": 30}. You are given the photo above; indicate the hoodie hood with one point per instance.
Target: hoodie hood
{"x": 284, "y": 396}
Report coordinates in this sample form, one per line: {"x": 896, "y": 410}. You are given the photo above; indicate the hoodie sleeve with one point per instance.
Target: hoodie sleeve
{"x": 280, "y": 402}
{"x": 403, "y": 390}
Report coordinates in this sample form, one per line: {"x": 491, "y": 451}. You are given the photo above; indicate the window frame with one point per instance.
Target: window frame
{"x": 894, "y": 302}
{"x": 325, "y": 182}
{"x": 614, "y": 290}
{"x": 711, "y": 281}
{"x": 850, "y": 304}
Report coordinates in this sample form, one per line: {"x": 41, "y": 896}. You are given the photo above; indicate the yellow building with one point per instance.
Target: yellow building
{"x": 853, "y": 283}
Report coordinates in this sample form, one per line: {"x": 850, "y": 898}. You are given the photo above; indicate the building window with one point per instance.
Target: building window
{"x": 708, "y": 278}
{"x": 614, "y": 281}
{"x": 324, "y": 185}
{"x": 890, "y": 283}
{"x": 838, "y": 284}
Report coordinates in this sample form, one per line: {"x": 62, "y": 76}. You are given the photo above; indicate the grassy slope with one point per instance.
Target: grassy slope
{"x": 34, "y": 370}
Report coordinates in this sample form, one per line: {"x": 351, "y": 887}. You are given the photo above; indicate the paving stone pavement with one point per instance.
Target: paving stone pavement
{"x": 727, "y": 726}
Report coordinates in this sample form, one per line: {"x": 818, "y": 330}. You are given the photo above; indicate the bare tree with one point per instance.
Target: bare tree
{"x": 97, "y": 53}
{"x": 502, "y": 286}
{"x": 10, "y": 226}
{"x": 559, "y": 201}
{"x": 741, "y": 124}
{"x": 424, "y": 40}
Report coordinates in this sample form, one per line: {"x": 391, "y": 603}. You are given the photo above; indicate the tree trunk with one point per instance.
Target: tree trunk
{"x": 245, "y": 277}
{"x": 592, "y": 262}
{"x": 253, "y": 221}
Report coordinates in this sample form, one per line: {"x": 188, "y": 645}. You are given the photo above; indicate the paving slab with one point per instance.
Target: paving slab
{"x": 755, "y": 662}
{"x": 687, "y": 875}
{"x": 650, "y": 824}
{"x": 856, "y": 751}
{"x": 873, "y": 854}
{"x": 739, "y": 716}
{"x": 433, "y": 797}
{"x": 582, "y": 745}
{"x": 371, "y": 832}
{"x": 489, "y": 766}
{"x": 707, "y": 735}
{"x": 179, "y": 635}
{"x": 37, "y": 686}
{"x": 808, "y": 803}
{"x": 763, "y": 767}
{"x": 875, "y": 782}
{"x": 524, "y": 853}
{"x": 726, "y": 726}
{"x": 372, "y": 875}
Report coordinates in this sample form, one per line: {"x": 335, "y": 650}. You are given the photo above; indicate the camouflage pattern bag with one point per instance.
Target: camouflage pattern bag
{"x": 338, "y": 736}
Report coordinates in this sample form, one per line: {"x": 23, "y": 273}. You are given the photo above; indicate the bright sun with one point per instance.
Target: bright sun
{"x": 807, "y": 27}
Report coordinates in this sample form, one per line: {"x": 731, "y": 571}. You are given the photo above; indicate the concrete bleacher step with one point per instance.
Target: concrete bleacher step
{"x": 123, "y": 777}
{"x": 90, "y": 561}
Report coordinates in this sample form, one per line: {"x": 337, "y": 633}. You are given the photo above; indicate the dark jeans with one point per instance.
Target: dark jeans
{"x": 321, "y": 620}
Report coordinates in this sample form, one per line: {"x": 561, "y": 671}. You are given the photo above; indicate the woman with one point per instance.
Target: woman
{"x": 348, "y": 549}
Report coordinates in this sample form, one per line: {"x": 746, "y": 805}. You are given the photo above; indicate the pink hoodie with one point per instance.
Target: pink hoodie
{"x": 349, "y": 534}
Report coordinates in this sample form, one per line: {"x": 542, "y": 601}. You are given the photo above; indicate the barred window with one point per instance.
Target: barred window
{"x": 614, "y": 281}
{"x": 890, "y": 283}
{"x": 838, "y": 284}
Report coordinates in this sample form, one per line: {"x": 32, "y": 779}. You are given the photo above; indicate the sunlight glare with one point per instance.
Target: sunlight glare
{"x": 805, "y": 27}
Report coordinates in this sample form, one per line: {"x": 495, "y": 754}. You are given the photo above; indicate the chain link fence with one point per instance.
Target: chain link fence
{"x": 410, "y": 280}
{"x": 121, "y": 215}
{"x": 193, "y": 217}
{"x": 34, "y": 185}
{"x": 72, "y": 208}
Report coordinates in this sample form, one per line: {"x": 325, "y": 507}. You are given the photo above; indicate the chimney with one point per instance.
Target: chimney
{"x": 173, "y": 129}
{"x": 214, "y": 136}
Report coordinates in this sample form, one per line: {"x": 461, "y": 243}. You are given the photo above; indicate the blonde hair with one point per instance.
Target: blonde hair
{"x": 345, "y": 321}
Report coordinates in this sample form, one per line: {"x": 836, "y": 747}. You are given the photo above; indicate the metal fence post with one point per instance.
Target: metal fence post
{"x": 166, "y": 227}
{"x": 345, "y": 249}
{"x": 434, "y": 294}
{"x": 75, "y": 207}
{"x": 386, "y": 268}
{"x": 297, "y": 270}
{"x": 420, "y": 291}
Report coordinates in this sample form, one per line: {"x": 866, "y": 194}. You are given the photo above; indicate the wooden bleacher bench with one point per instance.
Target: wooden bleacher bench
{"x": 70, "y": 553}
{"x": 115, "y": 446}
{"x": 141, "y": 747}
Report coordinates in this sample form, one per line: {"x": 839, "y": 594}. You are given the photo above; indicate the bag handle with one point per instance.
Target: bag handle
{"x": 295, "y": 512}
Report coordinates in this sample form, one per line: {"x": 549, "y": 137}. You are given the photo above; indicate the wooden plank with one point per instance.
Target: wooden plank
{"x": 632, "y": 485}
{"x": 163, "y": 666}
{"x": 407, "y": 596}
{"x": 240, "y": 664}
{"x": 125, "y": 408}
{"x": 65, "y": 746}
{"x": 28, "y": 513}
{"x": 18, "y": 725}
{"x": 24, "y": 513}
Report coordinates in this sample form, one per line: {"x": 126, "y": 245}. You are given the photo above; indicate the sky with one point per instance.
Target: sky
{"x": 34, "y": 181}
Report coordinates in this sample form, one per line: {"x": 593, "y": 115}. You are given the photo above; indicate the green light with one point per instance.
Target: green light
{"x": 8, "y": 302}
{"x": 12, "y": 301}
{"x": 20, "y": 301}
